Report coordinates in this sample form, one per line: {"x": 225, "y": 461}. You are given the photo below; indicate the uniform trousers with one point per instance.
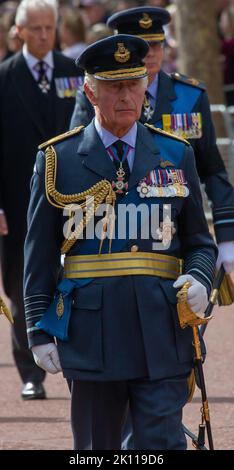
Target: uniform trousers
{"x": 155, "y": 408}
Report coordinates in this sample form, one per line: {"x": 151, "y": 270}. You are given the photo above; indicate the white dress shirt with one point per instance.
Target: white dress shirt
{"x": 31, "y": 61}
{"x": 108, "y": 139}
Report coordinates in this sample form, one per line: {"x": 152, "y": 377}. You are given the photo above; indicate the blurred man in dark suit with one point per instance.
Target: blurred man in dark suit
{"x": 37, "y": 90}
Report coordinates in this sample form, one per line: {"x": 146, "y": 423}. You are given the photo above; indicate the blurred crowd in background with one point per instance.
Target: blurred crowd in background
{"x": 82, "y": 22}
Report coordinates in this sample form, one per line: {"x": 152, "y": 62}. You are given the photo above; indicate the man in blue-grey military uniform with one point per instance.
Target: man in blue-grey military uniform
{"x": 114, "y": 312}
{"x": 180, "y": 105}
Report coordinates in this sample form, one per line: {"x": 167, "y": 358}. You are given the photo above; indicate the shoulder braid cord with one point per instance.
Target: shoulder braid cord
{"x": 160, "y": 131}
{"x": 94, "y": 196}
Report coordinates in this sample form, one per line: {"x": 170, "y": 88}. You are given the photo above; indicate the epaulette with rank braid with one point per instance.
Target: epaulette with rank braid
{"x": 167, "y": 134}
{"x": 188, "y": 80}
{"x": 60, "y": 137}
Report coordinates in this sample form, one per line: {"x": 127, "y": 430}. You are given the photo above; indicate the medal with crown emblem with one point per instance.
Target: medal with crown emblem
{"x": 120, "y": 185}
{"x": 122, "y": 54}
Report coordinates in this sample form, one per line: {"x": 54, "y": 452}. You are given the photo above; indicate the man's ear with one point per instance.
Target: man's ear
{"x": 92, "y": 98}
{"x": 20, "y": 31}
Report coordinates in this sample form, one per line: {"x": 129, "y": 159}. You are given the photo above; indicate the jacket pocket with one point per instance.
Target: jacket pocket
{"x": 84, "y": 350}
{"x": 88, "y": 297}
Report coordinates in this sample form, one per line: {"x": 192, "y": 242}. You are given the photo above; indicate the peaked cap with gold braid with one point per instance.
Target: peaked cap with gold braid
{"x": 145, "y": 22}
{"x": 118, "y": 57}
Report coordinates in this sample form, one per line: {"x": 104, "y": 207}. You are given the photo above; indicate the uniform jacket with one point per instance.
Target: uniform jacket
{"x": 210, "y": 167}
{"x": 120, "y": 327}
{"x": 24, "y": 124}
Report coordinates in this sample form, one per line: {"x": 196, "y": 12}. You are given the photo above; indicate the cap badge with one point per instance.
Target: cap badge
{"x": 122, "y": 54}
{"x": 145, "y": 22}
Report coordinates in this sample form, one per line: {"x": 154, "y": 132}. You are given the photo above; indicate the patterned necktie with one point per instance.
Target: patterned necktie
{"x": 148, "y": 110}
{"x": 42, "y": 81}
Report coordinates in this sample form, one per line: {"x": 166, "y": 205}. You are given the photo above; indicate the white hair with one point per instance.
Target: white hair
{"x": 92, "y": 83}
{"x": 36, "y": 5}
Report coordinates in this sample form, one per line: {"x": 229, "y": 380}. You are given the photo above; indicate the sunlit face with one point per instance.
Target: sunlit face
{"x": 39, "y": 32}
{"x": 153, "y": 59}
{"x": 118, "y": 103}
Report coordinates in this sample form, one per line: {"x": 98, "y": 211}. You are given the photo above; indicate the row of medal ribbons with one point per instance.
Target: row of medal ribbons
{"x": 66, "y": 87}
{"x": 163, "y": 183}
{"x": 186, "y": 125}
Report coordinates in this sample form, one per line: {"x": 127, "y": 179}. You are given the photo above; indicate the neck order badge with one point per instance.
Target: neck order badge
{"x": 148, "y": 110}
{"x": 119, "y": 152}
{"x": 42, "y": 81}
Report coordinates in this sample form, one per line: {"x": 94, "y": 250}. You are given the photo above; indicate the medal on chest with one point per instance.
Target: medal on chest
{"x": 148, "y": 110}
{"x": 44, "y": 85}
{"x": 163, "y": 183}
{"x": 120, "y": 185}
{"x": 185, "y": 125}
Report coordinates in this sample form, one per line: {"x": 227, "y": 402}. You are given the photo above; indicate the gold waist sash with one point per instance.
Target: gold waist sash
{"x": 122, "y": 264}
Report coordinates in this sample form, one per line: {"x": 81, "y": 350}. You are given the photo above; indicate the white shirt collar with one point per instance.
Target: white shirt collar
{"x": 108, "y": 138}
{"x": 153, "y": 87}
{"x": 32, "y": 61}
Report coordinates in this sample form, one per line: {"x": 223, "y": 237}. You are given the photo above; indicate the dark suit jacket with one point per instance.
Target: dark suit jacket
{"x": 22, "y": 129}
{"x": 121, "y": 327}
{"x": 209, "y": 162}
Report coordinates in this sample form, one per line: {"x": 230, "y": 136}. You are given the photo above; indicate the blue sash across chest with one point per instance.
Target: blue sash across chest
{"x": 185, "y": 101}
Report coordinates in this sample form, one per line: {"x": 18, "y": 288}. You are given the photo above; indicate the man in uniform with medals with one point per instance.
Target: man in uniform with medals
{"x": 180, "y": 105}
{"x": 118, "y": 338}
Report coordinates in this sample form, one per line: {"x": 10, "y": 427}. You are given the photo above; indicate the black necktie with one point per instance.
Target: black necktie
{"x": 42, "y": 81}
{"x": 119, "y": 146}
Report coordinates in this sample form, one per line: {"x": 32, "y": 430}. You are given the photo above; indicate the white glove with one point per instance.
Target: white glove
{"x": 197, "y": 294}
{"x": 226, "y": 256}
{"x": 46, "y": 357}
